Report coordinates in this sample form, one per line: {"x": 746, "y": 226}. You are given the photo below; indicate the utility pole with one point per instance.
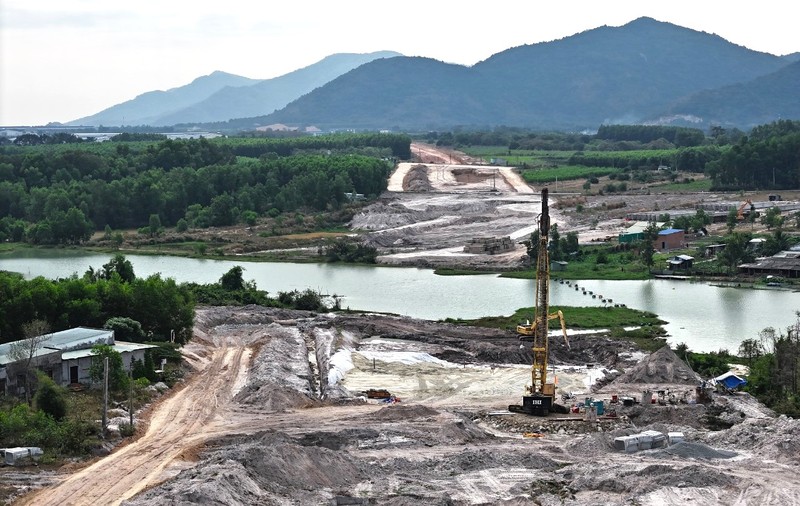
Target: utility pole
{"x": 130, "y": 392}
{"x": 105, "y": 397}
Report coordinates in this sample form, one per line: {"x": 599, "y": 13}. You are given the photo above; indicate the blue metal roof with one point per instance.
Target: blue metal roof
{"x": 668, "y": 231}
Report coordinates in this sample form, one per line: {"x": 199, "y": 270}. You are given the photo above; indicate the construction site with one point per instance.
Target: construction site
{"x": 291, "y": 408}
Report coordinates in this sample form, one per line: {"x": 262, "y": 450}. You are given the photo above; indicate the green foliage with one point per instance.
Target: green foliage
{"x": 709, "y": 365}
{"x": 579, "y": 318}
{"x": 735, "y": 251}
{"x": 233, "y": 279}
{"x": 117, "y": 376}
{"x": 182, "y": 225}
{"x": 679, "y": 136}
{"x": 61, "y": 194}
{"x": 772, "y": 218}
{"x": 775, "y": 369}
{"x": 767, "y": 159}
{"x": 125, "y": 329}
{"x": 342, "y": 250}
{"x": 159, "y": 305}
{"x": 540, "y": 176}
{"x": 50, "y": 398}
{"x": 308, "y": 300}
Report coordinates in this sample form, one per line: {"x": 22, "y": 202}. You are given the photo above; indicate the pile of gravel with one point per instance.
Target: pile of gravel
{"x": 660, "y": 367}
{"x": 692, "y": 450}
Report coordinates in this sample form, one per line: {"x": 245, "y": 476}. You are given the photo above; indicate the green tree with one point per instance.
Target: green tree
{"x": 646, "y": 253}
{"x": 777, "y": 242}
{"x": 125, "y": 329}
{"x": 25, "y": 351}
{"x": 154, "y": 226}
{"x": 118, "y": 265}
{"x": 233, "y": 280}
{"x": 555, "y": 243}
{"x": 250, "y": 218}
{"x": 182, "y": 225}
{"x": 751, "y": 349}
{"x": 50, "y": 398}
{"x": 731, "y": 220}
{"x": 117, "y": 376}
{"x": 735, "y": 251}
{"x": 772, "y": 218}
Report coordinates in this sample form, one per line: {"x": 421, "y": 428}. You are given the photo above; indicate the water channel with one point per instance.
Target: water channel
{"x": 704, "y": 316}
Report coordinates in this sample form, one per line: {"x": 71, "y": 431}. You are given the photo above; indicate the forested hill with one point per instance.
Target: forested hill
{"x": 626, "y": 74}
{"x": 758, "y": 101}
{"x": 57, "y": 194}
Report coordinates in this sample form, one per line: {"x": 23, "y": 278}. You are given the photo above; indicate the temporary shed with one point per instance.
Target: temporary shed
{"x": 730, "y": 381}
{"x": 680, "y": 262}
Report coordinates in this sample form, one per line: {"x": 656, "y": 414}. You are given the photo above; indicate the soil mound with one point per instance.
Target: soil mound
{"x": 398, "y": 413}
{"x": 662, "y": 366}
{"x": 417, "y": 179}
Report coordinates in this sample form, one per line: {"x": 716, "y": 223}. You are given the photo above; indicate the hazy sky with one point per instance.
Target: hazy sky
{"x": 61, "y": 60}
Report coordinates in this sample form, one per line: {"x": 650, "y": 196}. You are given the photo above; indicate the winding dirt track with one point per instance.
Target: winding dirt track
{"x": 188, "y": 417}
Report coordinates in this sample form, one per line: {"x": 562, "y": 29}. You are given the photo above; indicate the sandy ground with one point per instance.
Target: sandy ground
{"x": 275, "y": 414}
{"x": 435, "y": 205}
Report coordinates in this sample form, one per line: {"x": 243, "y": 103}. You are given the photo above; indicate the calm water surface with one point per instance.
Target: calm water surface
{"x": 705, "y": 317}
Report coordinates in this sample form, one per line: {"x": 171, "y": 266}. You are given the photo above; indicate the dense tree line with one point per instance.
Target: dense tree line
{"x": 58, "y": 195}
{"x": 159, "y": 305}
{"x": 398, "y": 144}
{"x": 768, "y": 159}
{"x": 774, "y": 361}
{"x": 678, "y": 136}
{"x": 137, "y": 309}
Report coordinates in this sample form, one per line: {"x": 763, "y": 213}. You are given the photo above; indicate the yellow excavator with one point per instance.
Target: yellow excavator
{"x": 740, "y": 212}
{"x": 541, "y": 394}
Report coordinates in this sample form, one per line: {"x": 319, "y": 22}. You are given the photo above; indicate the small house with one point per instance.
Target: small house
{"x": 680, "y": 262}
{"x": 670, "y": 238}
{"x": 713, "y": 250}
{"x": 635, "y": 232}
{"x": 756, "y": 244}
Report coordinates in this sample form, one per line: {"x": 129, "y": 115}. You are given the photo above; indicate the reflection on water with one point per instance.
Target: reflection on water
{"x": 705, "y": 317}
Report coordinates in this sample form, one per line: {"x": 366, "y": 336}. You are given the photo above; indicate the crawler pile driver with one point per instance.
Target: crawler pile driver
{"x": 541, "y": 394}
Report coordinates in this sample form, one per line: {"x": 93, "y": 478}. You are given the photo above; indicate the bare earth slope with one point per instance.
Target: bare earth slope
{"x": 275, "y": 411}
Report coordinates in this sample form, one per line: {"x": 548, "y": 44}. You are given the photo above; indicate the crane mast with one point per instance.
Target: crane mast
{"x": 541, "y": 394}
{"x": 542, "y": 297}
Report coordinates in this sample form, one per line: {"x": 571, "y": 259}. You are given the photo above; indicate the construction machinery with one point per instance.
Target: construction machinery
{"x": 541, "y": 394}
{"x": 740, "y": 212}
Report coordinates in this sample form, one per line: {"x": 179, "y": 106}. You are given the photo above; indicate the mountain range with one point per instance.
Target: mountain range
{"x": 220, "y": 96}
{"x": 645, "y": 71}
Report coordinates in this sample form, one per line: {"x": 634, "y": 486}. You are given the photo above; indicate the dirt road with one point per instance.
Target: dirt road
{"x": 178, "y": 424}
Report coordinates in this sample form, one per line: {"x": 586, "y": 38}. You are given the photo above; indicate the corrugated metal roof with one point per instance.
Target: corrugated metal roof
{"x": 119, "y": 347}
{"x": 639, "y": 227}
{"x": 65, "y": 340}
{"x": 669, "y": 231}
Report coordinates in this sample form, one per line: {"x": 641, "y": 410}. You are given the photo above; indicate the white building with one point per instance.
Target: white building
{"x": 65, "y": 356}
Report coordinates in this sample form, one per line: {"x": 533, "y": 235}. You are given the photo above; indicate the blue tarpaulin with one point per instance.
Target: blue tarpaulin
{"x": 730, "y": 380}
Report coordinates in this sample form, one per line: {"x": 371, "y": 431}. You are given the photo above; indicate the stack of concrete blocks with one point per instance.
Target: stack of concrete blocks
{"x": 489, "y": 245}
{"x": 674, "y": 437}
{"x": 646, "y": 440}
